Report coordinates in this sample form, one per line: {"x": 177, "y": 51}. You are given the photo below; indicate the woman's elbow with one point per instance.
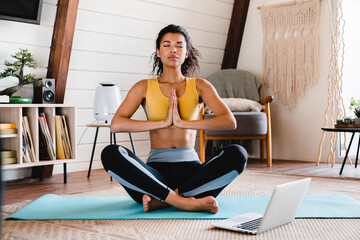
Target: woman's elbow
{"x": 112, "y": 127}
{"x": 232, "y": 123}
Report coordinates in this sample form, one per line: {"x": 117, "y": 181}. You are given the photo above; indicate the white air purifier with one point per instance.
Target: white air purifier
{"x": 106, "y": 102}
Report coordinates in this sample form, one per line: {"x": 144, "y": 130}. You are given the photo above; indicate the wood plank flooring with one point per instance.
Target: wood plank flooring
{"x": 78, "y": 182}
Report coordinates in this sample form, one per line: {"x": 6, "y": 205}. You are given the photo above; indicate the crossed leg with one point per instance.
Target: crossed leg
{"x": 146, "y": 185}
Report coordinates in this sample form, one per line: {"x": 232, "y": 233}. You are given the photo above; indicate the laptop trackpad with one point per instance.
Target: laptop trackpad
{"x": 244, "y": 217}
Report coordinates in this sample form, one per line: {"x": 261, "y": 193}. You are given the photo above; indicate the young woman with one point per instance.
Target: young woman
{"x": 173, "y": 174}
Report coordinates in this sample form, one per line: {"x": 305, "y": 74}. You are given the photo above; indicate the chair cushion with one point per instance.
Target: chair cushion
{"x": 248, "y": 123}
{"x": 240, "y": 105}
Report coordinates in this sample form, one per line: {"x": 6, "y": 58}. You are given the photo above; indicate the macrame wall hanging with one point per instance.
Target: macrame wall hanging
{"x": 291, "y": 48}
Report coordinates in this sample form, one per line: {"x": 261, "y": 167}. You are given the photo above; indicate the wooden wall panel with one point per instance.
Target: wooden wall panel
{"x": 226, "y": 1}
{"x": 41, "y": 54}
{"x": 114, "y": 44}
{"x": 236, "y": 31}
{"x": 103, "y": 62}
{"x": 89, "y": 80}
{"x": 162, "y": 13}
{"x": 61, "y": 45}
{"x": 206, "y": 7}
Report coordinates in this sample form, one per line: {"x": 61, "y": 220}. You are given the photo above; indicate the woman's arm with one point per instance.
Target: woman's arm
{"x": 121, "y": 121}
{"x": 223, "y": 119}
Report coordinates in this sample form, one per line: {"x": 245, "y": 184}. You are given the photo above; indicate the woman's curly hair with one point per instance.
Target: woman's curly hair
{"x": 190, "y": 66}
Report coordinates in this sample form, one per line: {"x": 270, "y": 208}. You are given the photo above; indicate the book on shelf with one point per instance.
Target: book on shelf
{"x": 43, "y": 153}
{"x": 46, "y": 146}
{"x": 8, "y": 157}
{"x": 63, "y": 145}
{"x": 7, "y": 161}
{"x": 67, "y": 136}
{"x": 7, "y": 154}
{"x": 7, "y": 125}
{"x": 28, "y": 139}
{"x": 25, "y": 150}
{"x": 7, "y": 129}
{"x": 60, "y": 148}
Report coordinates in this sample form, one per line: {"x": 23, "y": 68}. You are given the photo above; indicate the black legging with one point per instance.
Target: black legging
{"x": 192, "y": 179}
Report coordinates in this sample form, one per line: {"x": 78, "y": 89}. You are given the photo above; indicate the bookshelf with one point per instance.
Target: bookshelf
{"x": 13, "y": 113}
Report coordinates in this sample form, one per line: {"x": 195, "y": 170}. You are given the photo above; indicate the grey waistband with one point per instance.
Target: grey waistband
{"x": 173, "y": 155}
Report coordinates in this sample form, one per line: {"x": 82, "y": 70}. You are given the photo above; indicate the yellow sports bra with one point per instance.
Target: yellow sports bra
{"x": 157, "y": 104}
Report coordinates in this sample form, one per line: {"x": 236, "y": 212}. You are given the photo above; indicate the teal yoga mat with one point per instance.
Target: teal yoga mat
{"x": 54, "y": 207}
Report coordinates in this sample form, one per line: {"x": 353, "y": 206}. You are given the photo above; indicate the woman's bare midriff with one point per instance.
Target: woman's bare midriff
{"x": 172, "y": 138}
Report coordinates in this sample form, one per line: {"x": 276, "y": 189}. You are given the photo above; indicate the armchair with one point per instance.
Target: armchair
{"x": 232, "y": 83}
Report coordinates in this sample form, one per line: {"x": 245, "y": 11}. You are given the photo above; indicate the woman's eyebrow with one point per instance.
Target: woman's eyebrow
{"x": 178, "y": 42}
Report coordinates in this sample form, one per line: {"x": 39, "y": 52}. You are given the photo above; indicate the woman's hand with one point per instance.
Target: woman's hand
{"x": 175, "y": 110}
{"x": 169, "y": 117}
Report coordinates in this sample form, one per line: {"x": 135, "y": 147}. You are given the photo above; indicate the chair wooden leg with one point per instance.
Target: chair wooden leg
{"x": 202, "y": 146}
{"x": 269, "y": 151}
{"x": 262, "y": 149}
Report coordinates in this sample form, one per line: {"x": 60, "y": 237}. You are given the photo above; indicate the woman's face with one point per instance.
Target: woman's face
{"x": 173, "y": 51}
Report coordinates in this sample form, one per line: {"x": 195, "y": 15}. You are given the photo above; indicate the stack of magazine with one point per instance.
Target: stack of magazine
{"x": 46, "y": 146}
{"x": 63, "y": 146}
{"x": 28, "y": 147}
{"x": 8, "y": 130}
{"x": 8, "y": 157}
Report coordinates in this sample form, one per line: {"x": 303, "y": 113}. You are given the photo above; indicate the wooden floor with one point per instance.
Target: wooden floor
{"x": 78, "y": 182}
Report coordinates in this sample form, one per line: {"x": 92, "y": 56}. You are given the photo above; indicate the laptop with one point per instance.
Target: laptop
{"x": 281, "y": 209}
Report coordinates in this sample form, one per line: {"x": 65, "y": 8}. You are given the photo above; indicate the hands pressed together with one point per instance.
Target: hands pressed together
{"x": 173, "y": 116}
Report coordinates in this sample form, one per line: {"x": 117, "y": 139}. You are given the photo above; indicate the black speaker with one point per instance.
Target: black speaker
{"x": 45, "y": 94}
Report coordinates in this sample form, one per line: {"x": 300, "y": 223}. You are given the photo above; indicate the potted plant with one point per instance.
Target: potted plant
{"x": 355, "y": 108}
{"x": 16, "y": 69}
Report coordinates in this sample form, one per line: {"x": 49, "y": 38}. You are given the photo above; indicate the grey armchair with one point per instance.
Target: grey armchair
{"x": 232, "y": 83}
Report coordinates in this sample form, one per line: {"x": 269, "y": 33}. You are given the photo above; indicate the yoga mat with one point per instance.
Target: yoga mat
{"x": 54, "y": 207}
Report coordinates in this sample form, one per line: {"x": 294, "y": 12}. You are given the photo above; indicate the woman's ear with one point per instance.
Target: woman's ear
{"x": 157, "y": 53}
{"x": 186, "y": 55}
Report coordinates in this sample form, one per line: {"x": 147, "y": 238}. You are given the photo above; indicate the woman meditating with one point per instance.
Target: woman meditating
{"x": 173, "y": 174}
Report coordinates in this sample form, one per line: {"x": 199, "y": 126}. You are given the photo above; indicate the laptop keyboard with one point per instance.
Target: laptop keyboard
{"x": 250, "y": 225}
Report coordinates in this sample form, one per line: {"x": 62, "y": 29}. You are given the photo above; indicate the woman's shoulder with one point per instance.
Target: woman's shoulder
{"x": 140, "y": 86}
{"x": 202, "y": 83}
{"x": 204, "y": 86}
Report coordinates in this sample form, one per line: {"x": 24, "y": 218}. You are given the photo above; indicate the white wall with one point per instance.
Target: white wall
{"x": 296, "y": 132}
{"x": 113, "y": 42}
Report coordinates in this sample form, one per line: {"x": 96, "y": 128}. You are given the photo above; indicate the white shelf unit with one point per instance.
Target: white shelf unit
{"x": 14, "y": 112}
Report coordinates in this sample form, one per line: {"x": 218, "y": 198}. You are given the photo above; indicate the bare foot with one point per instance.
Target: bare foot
{"x": 151, "y": 204}
{"x": 205, "y": 204}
